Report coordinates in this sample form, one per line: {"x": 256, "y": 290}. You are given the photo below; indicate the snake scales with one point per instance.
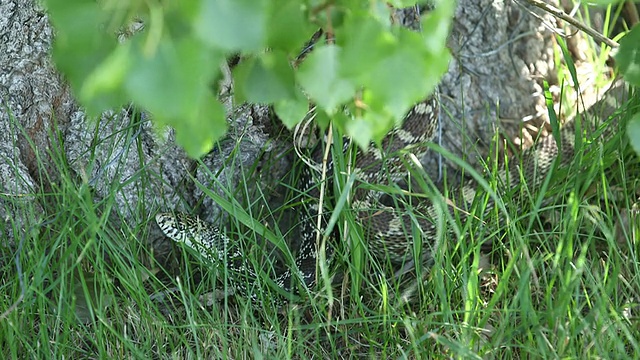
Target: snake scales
{"x": 387, "y": 229}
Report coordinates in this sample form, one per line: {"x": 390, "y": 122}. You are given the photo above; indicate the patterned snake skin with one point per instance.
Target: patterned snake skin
{"x": 387, "y": 229}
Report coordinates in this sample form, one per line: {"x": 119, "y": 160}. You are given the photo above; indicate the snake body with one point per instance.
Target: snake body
{"x": 387, "y": 230}
{"x": 418, "y": 127}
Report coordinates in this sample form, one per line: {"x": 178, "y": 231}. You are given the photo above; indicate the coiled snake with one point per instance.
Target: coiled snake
{"x": 386, "y": 229}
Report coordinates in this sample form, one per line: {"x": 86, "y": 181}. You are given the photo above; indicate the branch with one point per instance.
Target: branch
{"x": 562, "y": 15}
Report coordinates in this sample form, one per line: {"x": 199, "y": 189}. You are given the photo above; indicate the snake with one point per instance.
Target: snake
{"x": 386, "y": 229}
{"x": 215, "y": 246}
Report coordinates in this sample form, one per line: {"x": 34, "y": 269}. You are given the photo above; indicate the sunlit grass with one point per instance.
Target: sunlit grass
{"x": 561, "y": 278}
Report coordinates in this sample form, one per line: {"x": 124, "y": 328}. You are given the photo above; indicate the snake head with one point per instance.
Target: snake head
{"x": 197, "y": 234}
{"x": 177, "y": 226}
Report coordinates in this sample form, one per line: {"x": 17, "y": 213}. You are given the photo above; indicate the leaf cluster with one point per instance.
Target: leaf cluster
{"x": 367, "y": 65}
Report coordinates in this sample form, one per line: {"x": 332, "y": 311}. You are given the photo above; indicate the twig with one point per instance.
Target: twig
{"x": 562, "y": 15}
{"x": 323, "y": 183}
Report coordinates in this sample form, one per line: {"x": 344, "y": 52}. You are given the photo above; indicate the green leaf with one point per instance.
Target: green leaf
{"x": 398, "y": 81}
{"x": 197, "y": 133}
{"x": 174, "y": 85}
{"x": 293, "y": 110}
{"x": 371, "y": 126}
{"x": 233, "y": 25}
{"x": 288, "y": 28}
{"x": 633, "y": 131}
{"x": 323, "y": 119}
{"x": 360, "y": 131}
{"x": 628, "y": 56}
{"x": 266, "y": 80}
{"x": 365, "y": 42}
{"x": 81, "y": 46}
{"x": 436, "y": 25}
{"x": 173, "y": 78}
{"x": 102, "y": 89}
{"x": 320, "y": 76}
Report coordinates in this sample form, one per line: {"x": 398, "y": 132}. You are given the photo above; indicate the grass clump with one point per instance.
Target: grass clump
{"x": 560, "y": 280}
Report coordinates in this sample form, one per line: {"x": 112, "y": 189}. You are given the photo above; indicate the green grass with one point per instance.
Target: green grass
{"x": 562, "y": 282}
{"x": 559, "y": 282}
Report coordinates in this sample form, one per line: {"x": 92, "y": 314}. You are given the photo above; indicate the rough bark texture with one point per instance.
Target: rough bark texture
{"x": 30, "y": 93}
{"x": 501, "y": 52}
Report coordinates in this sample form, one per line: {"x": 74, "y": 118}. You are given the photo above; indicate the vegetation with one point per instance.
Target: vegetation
{"x": 189, "y": 42}
{"x": 562, "y": 276}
